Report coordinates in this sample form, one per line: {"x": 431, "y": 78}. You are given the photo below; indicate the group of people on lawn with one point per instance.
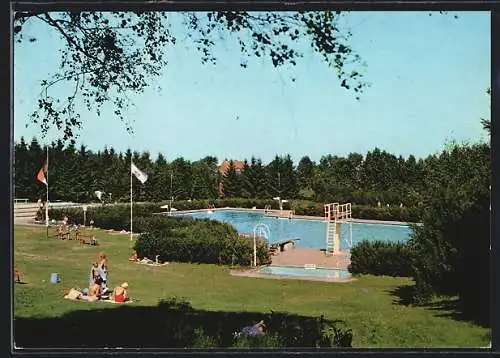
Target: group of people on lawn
{"x": 98, "y": 288}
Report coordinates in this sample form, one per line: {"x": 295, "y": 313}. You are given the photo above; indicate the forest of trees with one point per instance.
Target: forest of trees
{"x": 76, "y": 173}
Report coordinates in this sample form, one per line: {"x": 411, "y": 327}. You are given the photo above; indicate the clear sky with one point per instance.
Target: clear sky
{"x": 428, "y": 78}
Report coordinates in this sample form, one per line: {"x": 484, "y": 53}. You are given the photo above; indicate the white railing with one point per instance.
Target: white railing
{"x": 336, "y": 211}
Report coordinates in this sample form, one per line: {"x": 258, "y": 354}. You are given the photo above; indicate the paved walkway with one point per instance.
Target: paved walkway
{"x": 300, "y": 257}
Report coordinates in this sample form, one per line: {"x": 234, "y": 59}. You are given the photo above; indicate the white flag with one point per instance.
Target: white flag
{"x": 98, "y": 193}
{"x": 138, "y": 174}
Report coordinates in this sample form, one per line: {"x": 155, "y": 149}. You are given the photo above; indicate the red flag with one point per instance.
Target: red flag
{"x": 41, "y": 174}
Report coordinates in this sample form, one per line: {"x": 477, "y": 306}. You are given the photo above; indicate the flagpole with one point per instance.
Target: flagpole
{"x": 47, "y": 201}
{"x": 130, "y": 196}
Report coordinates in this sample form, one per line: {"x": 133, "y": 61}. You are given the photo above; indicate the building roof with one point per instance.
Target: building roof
{"x": 238, "y": 165}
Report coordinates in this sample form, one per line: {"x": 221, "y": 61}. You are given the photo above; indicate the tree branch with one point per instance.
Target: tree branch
{"x": 54, "y": 23}
{"x": 67, "y": 77}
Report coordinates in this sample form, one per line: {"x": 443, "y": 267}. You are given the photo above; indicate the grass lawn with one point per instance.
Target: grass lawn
{"x": 369, "y": 306}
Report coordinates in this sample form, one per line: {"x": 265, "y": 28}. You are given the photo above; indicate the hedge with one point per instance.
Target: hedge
{"x": 102, "y": 215}
{"x": 381, "y": 258}
{"x": 200, "y": 241}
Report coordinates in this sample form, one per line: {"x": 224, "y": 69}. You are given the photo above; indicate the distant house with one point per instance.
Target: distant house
{"x": 224, "y": 166}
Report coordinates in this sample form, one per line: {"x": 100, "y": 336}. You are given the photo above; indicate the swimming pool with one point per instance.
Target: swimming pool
{"x": 298, "y": 271}
{"x": 311, "y": 233}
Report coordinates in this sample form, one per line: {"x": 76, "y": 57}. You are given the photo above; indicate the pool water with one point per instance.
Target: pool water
{"x": 311, "y": 233}
{"x": 296, "y": 271}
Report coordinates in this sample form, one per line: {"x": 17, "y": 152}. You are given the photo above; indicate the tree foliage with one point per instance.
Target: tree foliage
{"x": 455, "y": 232}
{"x": 106, "y": 56}
{"x": 76, "y": 173}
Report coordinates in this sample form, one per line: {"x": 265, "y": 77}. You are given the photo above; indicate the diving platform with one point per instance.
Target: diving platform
{"x": 335, "y": 215}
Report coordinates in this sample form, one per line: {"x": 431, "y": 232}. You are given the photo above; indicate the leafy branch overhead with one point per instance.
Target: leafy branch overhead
{"x": 108, "y": 56}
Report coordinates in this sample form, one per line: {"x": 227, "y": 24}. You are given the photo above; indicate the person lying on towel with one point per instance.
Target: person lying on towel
{"x": 255, "y": 330}
{"x": 146, "y": 260}
{"x": 92, "y": 294}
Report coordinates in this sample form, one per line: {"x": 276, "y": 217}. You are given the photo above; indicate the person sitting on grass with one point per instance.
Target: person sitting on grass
{"x": 19, "y": 275}
{"x": 95, "y": 290}
{"x": 120, "y": 293}
{"x": 134, "y": 257}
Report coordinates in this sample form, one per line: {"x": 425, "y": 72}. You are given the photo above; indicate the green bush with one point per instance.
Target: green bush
{"x": 381, "y": 258}
{"x": 307, "y": 207}
{"x": 391, "y": 213}
{"x": 201, "y": 241}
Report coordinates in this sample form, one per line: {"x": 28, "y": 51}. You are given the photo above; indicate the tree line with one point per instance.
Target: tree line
{"x": 75, "y": 173}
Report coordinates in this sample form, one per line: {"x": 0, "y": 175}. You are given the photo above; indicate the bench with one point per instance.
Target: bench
{"x": 85, "y": 238}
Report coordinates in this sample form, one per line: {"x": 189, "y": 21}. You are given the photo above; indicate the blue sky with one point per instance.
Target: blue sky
{"x": 428, "y": 78}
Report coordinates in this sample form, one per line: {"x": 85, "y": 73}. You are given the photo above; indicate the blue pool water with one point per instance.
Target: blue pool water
{"x": 311, "y": 233}
{"x": 303, "y": 272}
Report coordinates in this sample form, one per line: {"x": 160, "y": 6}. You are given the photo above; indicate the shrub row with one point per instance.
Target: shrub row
{"x": 200, "y": 241}
{"x": 381, "y": 258}
{"x": 392, "y": 213}
{"x": 301, "y": 207}
{"x": 116, "y": 217}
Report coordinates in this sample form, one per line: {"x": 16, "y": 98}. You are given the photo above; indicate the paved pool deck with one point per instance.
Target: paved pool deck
{"x": 301, "y": 257}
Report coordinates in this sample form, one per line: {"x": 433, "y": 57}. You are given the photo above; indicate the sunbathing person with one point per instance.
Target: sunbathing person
{"x": 255, "y": 330}
{"x": 120, "y": 293}
{"x": 95, "y": 291}
{"x": 134, "y": 256}
{"x": 90, "y": 295}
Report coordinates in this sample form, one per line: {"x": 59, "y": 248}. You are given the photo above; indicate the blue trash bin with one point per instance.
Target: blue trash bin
{"x": 54, "y": 278}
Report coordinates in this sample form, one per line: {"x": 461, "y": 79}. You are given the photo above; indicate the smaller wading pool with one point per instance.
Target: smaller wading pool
{"x": 305, "y": 271}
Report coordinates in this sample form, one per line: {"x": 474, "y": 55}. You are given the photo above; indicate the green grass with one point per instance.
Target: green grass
{"x": 369, "y": 306}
